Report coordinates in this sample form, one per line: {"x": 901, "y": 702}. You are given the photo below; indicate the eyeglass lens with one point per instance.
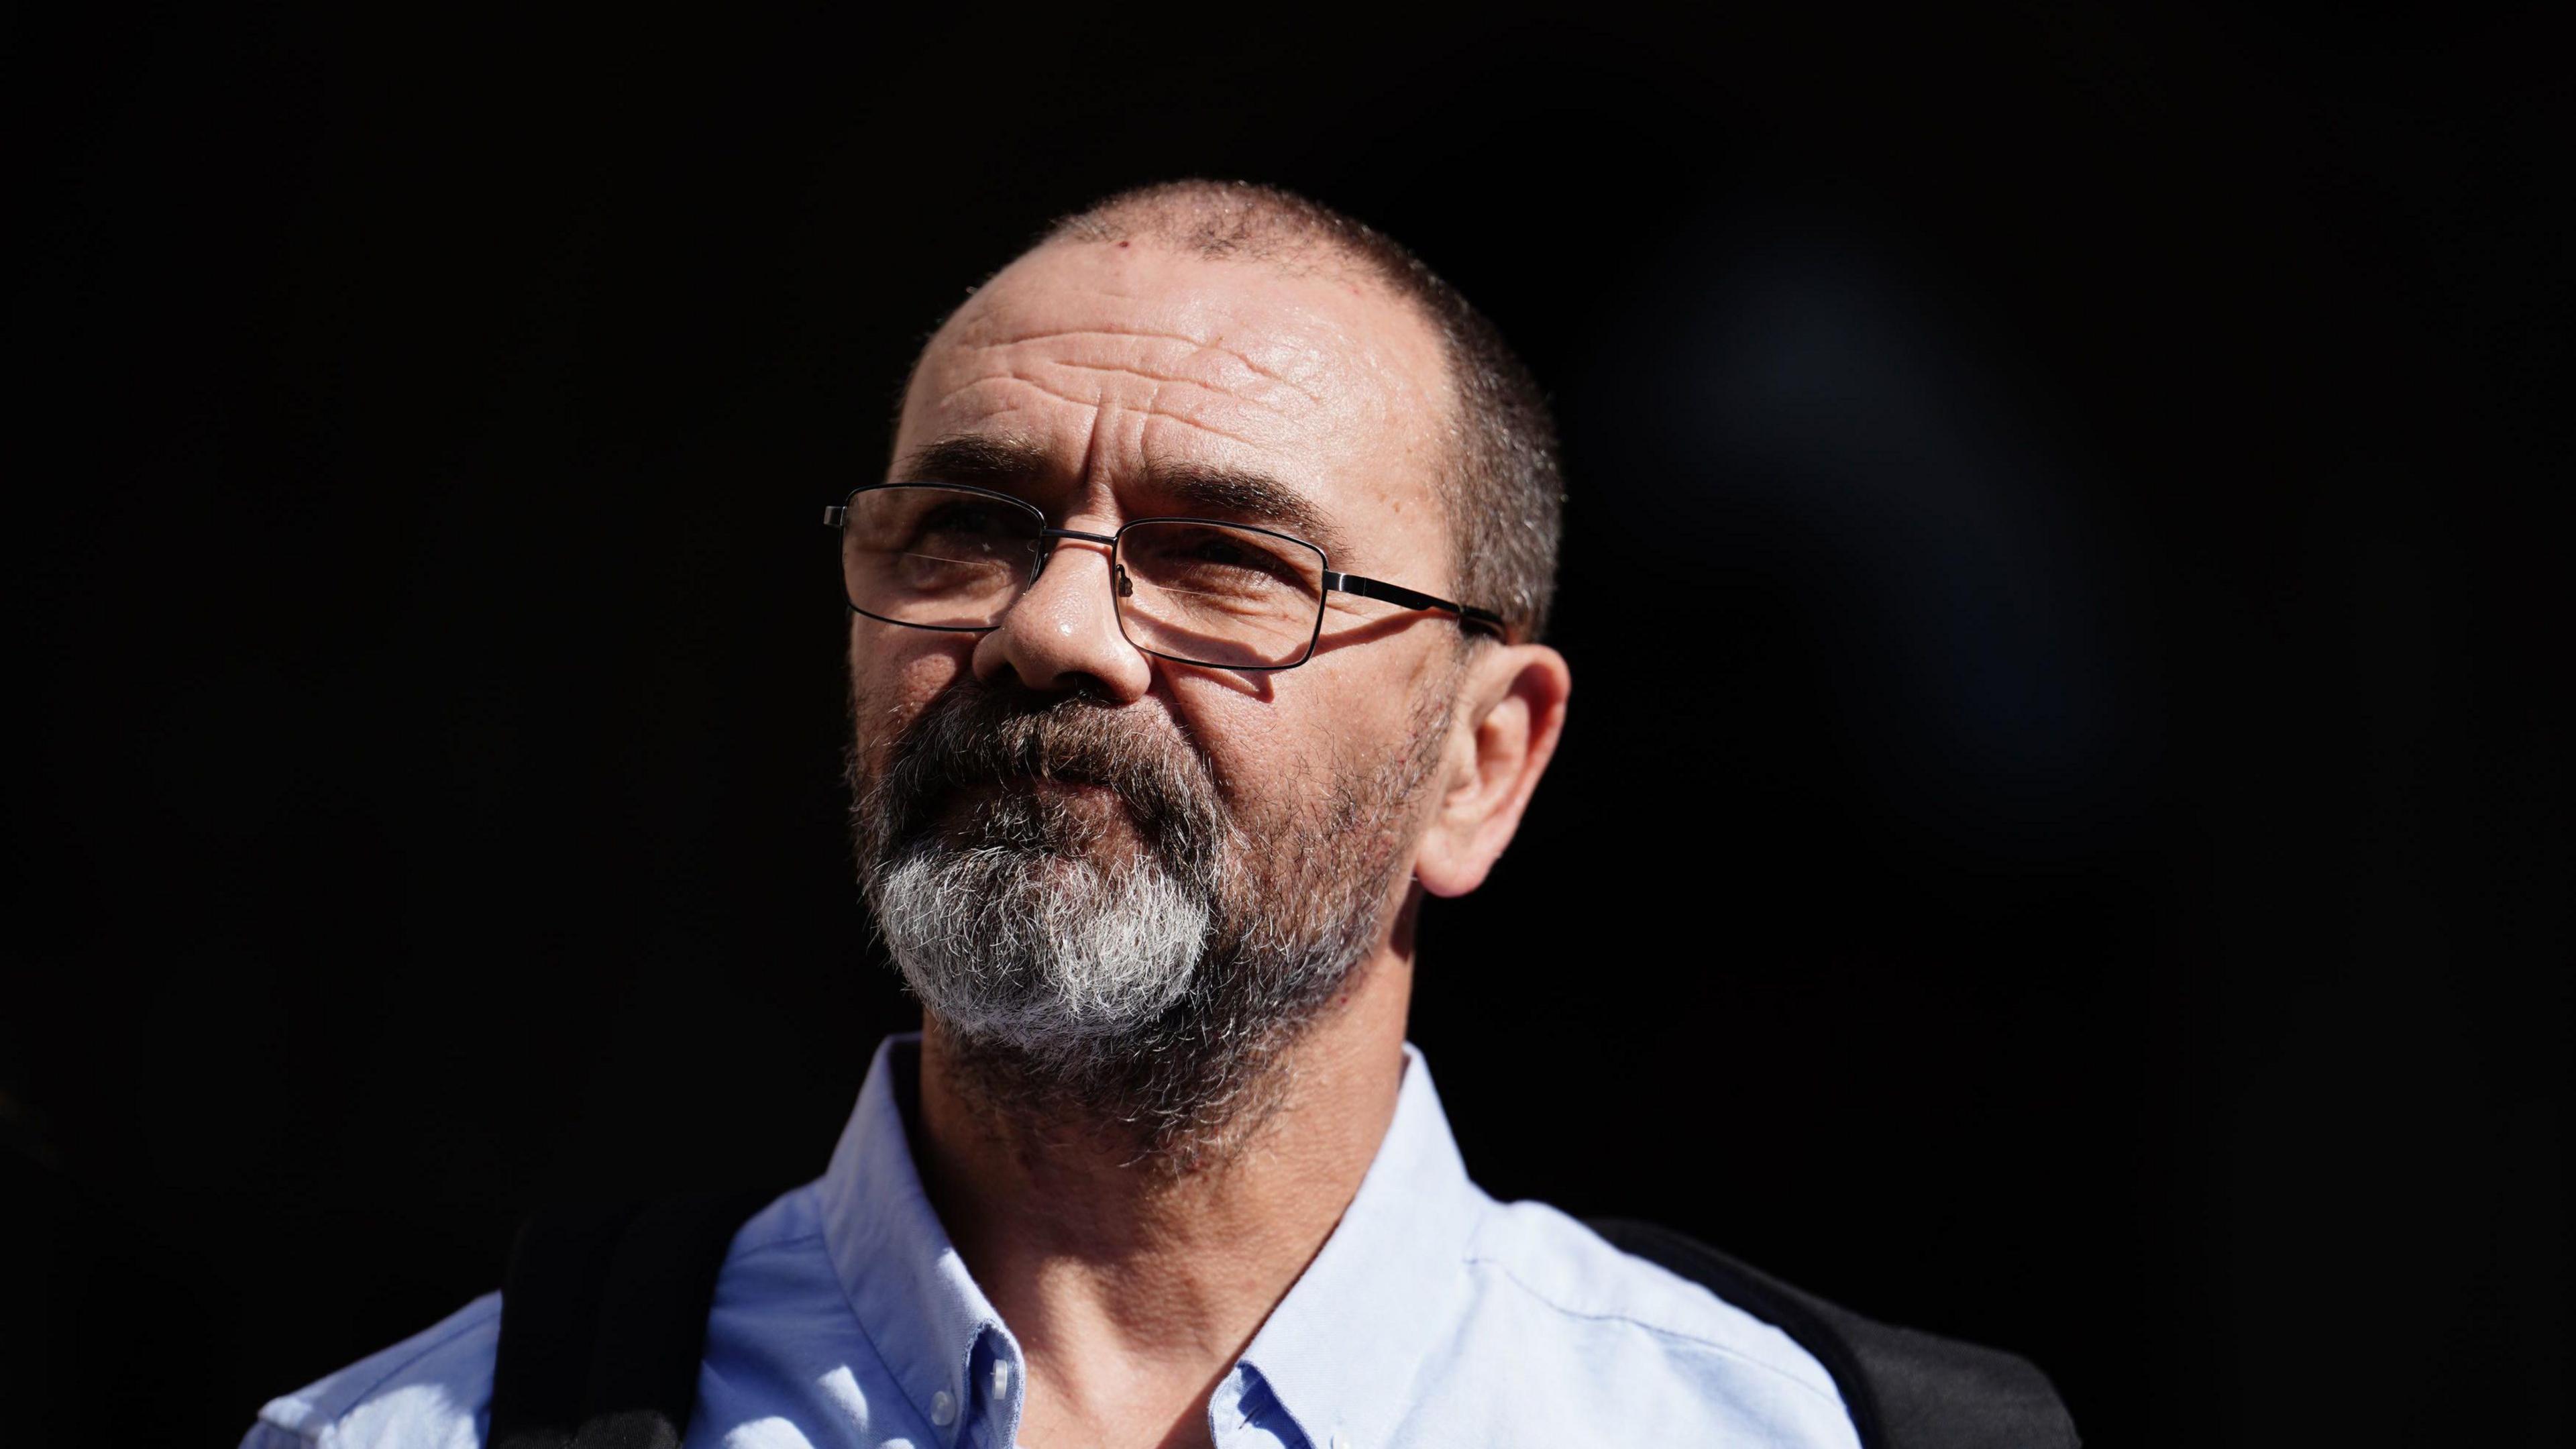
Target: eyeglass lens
{"x": 1207, "y": 593}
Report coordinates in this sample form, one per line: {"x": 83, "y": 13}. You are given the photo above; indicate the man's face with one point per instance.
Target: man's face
{"x": 1105, "y": 382}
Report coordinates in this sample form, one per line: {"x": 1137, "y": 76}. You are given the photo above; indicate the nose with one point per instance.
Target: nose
{"x": 1062, "y": 634}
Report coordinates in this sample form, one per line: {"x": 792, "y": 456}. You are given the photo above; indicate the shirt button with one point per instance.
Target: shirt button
{"x": 943, "y": 1409}
{"x": 1001, "y": 1380}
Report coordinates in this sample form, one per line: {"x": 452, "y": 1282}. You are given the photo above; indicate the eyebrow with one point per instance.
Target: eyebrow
{"x": 1239, "y": 495}
{"x": 989, "y": 462}
{"x": 1245, "y": 496}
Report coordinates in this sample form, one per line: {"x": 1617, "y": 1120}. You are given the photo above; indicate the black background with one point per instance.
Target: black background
{"x": 2058, "y": 841}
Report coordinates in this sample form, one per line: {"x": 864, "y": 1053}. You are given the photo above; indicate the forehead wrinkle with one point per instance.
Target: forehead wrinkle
{"x": 1174, "y": 380}
{"x": 1101, "y": 399}
{"x": 1057, "y": 360}
{"x": 1287, "y": 339}
{"x": 1152, "y": 409}
{"x": 1201, "y": 344}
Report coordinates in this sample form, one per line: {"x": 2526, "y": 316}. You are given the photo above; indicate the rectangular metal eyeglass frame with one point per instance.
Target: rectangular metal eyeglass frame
{"x": 1467, "y": 615}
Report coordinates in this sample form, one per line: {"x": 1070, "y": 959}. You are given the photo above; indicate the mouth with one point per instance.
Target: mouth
{"x": 1043, "y": 787}
{"x": 1076, "y": 814}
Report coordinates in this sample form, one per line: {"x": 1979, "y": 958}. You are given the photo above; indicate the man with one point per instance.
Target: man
{"x": 1193, "y": 641}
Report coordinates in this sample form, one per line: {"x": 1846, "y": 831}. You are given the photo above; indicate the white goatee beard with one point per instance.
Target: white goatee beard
{"x": 1046, "y": 956}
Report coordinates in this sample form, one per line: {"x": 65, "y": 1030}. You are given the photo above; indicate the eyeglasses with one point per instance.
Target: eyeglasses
{"x": 1196, "y": 590}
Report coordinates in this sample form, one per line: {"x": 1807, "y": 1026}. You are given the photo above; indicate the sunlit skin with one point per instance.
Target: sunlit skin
{"x": 1130, "y": 1295}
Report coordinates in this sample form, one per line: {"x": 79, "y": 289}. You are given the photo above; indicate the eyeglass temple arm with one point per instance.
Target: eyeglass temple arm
{"x": 1413, "y": 599}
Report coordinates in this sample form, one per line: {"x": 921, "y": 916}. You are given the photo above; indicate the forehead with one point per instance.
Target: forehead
{"x": 1112, "y": 361}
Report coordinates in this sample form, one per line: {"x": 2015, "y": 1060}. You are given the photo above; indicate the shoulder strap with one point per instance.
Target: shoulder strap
{"x": 604, "y": 1320}
{"x": 1905, "y": 1389}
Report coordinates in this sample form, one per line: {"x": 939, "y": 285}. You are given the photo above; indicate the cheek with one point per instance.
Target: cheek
{"x": 1289, "y": 755}
{"x": 894, "y": 674}
{"x": 1249, "y": 742}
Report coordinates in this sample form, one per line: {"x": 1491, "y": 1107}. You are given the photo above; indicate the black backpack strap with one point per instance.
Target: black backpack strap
{"x": 604, "y": 1320}
{"x": 1905, "y": 1389}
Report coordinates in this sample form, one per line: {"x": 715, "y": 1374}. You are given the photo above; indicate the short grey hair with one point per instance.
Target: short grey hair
{"x": 1506, "y": 498}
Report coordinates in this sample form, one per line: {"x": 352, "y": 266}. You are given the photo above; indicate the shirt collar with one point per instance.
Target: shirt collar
{"x": 1339, "y": 1353}
{"x": 912, "y": 1294}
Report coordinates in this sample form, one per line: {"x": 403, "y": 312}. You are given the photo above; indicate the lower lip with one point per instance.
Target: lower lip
{"x": 976, "y": 795}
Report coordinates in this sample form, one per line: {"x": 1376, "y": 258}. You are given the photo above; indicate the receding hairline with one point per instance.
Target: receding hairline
{"x": 1310, "y": 258}
{"x": 1298, "y": 259}
{"x": 1320, "y": 260}
{"x": 1241, "y": 222}
{"x": 1226, "y": 219}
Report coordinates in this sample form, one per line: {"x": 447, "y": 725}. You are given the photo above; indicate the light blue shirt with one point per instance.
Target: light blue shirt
{"x": 1434, "y": 1315}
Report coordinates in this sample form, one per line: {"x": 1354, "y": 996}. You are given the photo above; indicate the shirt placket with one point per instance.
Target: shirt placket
{"x": 990, "y": 1414}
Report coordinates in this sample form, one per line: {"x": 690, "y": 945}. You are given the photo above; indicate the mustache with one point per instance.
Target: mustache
{"x": 978, "y": 735}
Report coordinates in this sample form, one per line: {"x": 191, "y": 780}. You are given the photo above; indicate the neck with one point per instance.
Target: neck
{"x": 1131, "y": 1287}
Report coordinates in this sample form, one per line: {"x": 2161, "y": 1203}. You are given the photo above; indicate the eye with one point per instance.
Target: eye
{"x": 1217, "y": 548}
{"x": 1214, "y": 560}
{"x": 968, "y": 521}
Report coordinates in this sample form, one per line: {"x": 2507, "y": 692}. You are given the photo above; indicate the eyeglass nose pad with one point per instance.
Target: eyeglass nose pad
{"x": 1126, "y": 585}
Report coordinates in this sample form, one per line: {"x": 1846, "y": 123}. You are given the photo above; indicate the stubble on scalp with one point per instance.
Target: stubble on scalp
{"x": 1146, "y": 998}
